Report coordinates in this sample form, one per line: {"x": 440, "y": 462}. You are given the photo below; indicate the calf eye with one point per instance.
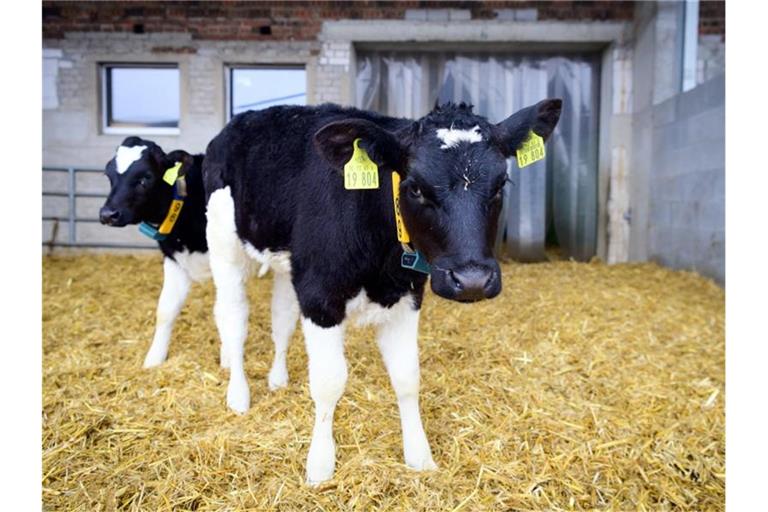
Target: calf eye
{"x": 145, "y": 180}
{"x": 415, "y": 192}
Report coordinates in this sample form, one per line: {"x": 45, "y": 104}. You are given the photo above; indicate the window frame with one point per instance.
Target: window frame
{"x": 106, "y": 97}
{"x": 230, "y": 68}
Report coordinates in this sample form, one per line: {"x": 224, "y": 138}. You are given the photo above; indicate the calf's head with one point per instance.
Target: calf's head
{"x": 138, "y": 192}
{"x": 452, "y": 165}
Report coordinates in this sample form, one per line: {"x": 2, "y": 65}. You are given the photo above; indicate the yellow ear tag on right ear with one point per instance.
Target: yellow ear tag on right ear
{"x": 360, "y": 172}
{"x": 172, "y": 174}
{"x": 530, "y": 151}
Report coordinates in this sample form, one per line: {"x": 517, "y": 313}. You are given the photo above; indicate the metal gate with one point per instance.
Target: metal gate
{"x": 52, "y": 224}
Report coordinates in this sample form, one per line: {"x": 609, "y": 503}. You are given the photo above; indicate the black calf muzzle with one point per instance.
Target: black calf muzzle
{"x": 109, "y": 216}
{"x": 467, "y": 283}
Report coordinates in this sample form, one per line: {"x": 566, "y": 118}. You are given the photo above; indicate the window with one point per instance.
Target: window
{"x": 255, "y": 88}
{"x": 140, "y": 98}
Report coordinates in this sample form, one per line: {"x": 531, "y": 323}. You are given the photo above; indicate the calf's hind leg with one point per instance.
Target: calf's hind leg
{"x": 285, "y": 314}
{"x": 229, "y": 266}
{"x": 175, "y": 289}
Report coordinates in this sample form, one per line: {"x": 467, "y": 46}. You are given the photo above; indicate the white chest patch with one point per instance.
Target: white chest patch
{"x": 362, "y": 311}
{"x": 452, "y": 137}
{"x": 279, "y": 262}
{"x": 125, "y": 156}
{"x": 195, "y": 264}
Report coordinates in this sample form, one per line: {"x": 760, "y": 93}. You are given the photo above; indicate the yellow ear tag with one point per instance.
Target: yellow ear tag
{"x": 402, "y": 233}
{"x": 172, "y": 174}
{"x": 532, "y": 150}
{"x": 360, "y": 172}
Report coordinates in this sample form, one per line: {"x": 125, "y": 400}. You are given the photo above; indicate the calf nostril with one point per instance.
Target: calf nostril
{"x": 108, "y": 215}
{"x": 492, "y": 276}
{"x": 455, "y": 280}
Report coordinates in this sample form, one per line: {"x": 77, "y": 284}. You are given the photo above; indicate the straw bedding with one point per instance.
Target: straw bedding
{"x": 583, "y": 386}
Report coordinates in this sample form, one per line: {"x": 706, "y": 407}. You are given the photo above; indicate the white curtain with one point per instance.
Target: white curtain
{"x": 554, "y": 199}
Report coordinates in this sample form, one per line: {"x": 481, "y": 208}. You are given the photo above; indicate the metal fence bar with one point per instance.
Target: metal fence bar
{"x": 77, "y": 219}
{"x": 77, "y": 194}
{"x": 89, "y": 245}
{"x": 72, "y": 205}
{"x": 66, "y": 169}
{"x": 72, "y": 219}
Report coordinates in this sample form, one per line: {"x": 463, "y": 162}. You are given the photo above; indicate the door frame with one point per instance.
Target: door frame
{"x": 337, "y": 63}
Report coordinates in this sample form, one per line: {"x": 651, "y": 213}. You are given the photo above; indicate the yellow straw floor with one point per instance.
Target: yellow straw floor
{"x": 583, "y": 386}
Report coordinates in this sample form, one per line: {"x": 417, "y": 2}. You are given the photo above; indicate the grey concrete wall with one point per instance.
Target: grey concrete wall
{"x": 686, "y": 224}
{"x": 710, "y": 58}
{"x": 655, "y": 52}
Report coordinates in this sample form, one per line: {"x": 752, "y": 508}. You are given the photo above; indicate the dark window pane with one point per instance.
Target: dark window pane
{"x": 256, "y": 89}
{"x": 143, "y": 97}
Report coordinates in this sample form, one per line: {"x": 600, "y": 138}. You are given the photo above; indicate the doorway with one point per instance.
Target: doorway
{"x": 550, "y": 206}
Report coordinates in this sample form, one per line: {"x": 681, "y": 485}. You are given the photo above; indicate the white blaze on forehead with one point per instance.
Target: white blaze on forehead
{"x": 451, "y": 137}
{"x": 125, "y": 156}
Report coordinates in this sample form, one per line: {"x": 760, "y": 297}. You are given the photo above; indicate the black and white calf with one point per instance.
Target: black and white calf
{"x": 143, "y": 192}
{"x": 276, "y": 193}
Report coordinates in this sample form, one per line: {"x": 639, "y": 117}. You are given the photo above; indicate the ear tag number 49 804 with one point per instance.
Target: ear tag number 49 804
{"x": 532, "y": 150}
{"x": 360, "y": 172}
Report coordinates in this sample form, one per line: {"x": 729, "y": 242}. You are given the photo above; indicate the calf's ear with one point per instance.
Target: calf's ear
{"x": 540, "y": 118}
{"x": 335, "y": 141}
{"x": 182, "y": 156}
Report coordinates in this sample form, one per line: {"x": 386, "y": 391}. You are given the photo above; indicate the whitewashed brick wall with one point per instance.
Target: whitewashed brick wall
{"x": 333, "y": 72}
{"x": 71, "y": 104}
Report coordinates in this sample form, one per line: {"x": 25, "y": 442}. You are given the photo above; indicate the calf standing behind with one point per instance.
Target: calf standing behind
{"x": 145, "y": 181}
{"x": 276, "y": 193}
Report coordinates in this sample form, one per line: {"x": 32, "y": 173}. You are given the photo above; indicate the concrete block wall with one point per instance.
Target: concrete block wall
{"x": 657, "y": 72}
{"x": 686, "y": 224}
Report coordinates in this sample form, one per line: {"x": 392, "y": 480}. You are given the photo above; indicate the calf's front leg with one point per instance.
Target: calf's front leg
{"x": 176, "y": 283}
{"x": 397, "y": 340}
{"x": 327, "y": 379}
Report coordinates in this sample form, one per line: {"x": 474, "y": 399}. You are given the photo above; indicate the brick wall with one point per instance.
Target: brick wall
{"x": 282, "y": 21}
{"x": 712, "y": 18}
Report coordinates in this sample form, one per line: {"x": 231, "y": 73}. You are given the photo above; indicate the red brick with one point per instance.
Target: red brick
{"x": 302, "y": 20}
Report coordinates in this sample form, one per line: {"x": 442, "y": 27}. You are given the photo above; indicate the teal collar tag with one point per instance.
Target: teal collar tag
{"x": 415, "y": 260}
{"x": 179, "y": 194}
{"x": 151, "y": 231}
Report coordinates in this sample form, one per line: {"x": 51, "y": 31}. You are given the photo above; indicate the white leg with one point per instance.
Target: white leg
{"x": 229, "y": 266}
{"x": 397, "y": 340}
{"x": 223, "y": 355}
{"x": 327, "y": 378}
{"x": 285, "y": 314}
{"x": 175, "y": 289}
